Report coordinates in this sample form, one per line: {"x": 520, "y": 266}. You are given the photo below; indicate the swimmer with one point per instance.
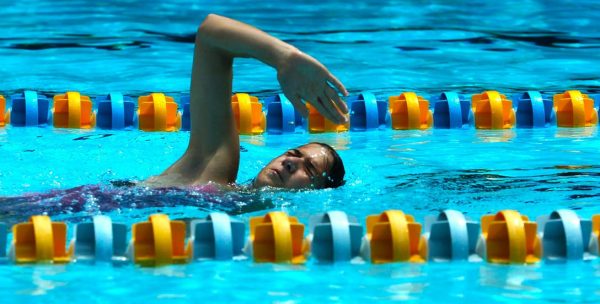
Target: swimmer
{"x": 213, "y": 152}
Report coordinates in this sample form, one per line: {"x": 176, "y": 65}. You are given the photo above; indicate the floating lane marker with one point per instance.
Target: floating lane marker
{"x": 334, "y": 237}
{"x": 317, "y": 123}
{"x": 408, "y": 111}
{"x": 248, "y": 114}
{"x": 492, "y": 110}
{"x": 450, "y": 236}
{"x": 72, "y": 110}
{"x": 216, "y": 237}
{"x": 366, "y": 112}
{"x": 40, "y": 241}
{"x": 595, "y": 236}
{"x": 3, "y": 232}
{"x": 157, "y": 112}
{"x": 30, "y": 109}
{"x": 277, "y": 238}
{"x": 281, "y": 115}
{"x": 451, "y": 112}
{"x": 534, "y": 111}
{"x": 115, "y": 112}
{"x": 185, "y": 116}
{"x": 4, "y": 114}
{"x": 509, "y": 238}
{"x": 392, "y": 236}
{"x": 564, "y": 236}
{"x": 159, "y": 241}
{"x": 575, "y": 109}
{"x": 99, "y": 241}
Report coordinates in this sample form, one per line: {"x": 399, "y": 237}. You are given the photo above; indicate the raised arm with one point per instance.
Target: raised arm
{"x": 213, "y": 150}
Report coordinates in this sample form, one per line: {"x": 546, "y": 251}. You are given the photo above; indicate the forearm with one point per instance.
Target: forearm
{"x": 236, "y": 39}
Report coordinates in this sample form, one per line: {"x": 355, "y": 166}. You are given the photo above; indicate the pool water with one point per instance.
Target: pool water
{"x": 135, "y": 47}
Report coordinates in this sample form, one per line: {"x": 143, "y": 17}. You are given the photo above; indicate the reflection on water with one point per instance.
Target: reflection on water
{"x": 434, "y": 282}
{"x": 43, "y": 285}
{"x": 255, "y": 140}
{"x": 515, "y": 280}
{"x": 576, "y": 132}
{"x": 492, "y": 136}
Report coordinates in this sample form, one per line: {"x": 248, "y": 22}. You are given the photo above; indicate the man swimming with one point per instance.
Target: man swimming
{"x": 213, "y": 153}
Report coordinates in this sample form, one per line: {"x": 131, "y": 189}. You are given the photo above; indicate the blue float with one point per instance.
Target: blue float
{"x": 216, "y": 237}
{"x": 100, "y": 241}
{"x": 366, "y": 112}
{"x": 3, "y": 257}
{"x": 30, "y": 109}
{"x": 533, "y": 110}
{"x": 185, "y": 116}
{"x": 115, "y": 112}
{"x": 335, "y": 237}
{"x": 450, "y": 111}
{"x": 450, "y": 236}
{"x": 281, "y": 115}
{"x": 564, "y": 236}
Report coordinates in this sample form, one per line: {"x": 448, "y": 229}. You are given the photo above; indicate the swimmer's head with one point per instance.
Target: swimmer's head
{"x": 314, "y": 165}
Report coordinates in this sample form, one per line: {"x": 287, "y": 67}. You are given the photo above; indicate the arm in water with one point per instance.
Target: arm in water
{"x": 213, "y": 150}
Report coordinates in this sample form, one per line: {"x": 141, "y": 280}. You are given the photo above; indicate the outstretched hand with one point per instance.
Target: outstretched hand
{"x": 302, "y": 77}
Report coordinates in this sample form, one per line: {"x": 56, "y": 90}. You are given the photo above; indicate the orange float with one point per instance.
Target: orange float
{"x": 73, "y": 110}
{"x": 159, "y": 241}
{"x": 408, "y": 111}
{"x": 248, "y": 113}
{"x": 158, "y": 112}
{"x": 277, "y": 238}
{"x": 393, "y": 236}
{"x": 40, "y": 240}
{"x": 492, "y": 110}
{"x": 510, "y": 238}
{"x": 575, "y": 109}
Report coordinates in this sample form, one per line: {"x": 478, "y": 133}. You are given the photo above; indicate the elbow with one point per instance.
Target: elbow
{"x": 206, "y": 25}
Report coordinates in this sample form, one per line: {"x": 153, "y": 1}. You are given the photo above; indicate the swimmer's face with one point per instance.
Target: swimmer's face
{"x": 302, "y": 167}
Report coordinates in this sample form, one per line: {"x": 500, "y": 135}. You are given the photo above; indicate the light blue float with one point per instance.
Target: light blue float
{"x": 217, "y": 237}
{"x": 366, "y": 112}
{"x": 30, "y": 109}
{"x": 533, "y": 110}
{"x": 450, "y": 111}
{"x": 115, "y": 112}
{"x": 335, "y": 237}
{"x": 281, "y": 115}
{"x": 3, "y": 258}
{"x": 450, "y": 236}
{"x": 100, "y": 241}
{"x": 185, "y": 116}
{"x": 564, "y": 236}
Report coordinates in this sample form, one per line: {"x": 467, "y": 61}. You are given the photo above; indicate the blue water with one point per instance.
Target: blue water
{"x": 385, "y": 47}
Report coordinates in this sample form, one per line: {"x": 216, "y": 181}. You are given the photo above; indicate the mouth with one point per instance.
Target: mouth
{"x": 278, "y": 174}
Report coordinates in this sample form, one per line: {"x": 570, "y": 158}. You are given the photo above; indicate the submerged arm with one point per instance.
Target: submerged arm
{"x": 213, "y": 150}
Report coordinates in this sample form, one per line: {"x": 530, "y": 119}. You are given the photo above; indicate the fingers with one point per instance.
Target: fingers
{"x": 298, "y": 105}
{"x": 321, "y": 103}
{"x": 337, "y": 84}
{"x": 329, "y": 110}
{"x": 329, "y": 92}
{"x": 326, "y": 107}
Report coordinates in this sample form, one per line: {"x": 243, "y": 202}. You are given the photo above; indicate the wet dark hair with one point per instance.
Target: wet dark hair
{"x": 335, "y": 175}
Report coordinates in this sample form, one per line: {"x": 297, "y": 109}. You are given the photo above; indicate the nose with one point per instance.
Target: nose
{"x": 290, "y": 164}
